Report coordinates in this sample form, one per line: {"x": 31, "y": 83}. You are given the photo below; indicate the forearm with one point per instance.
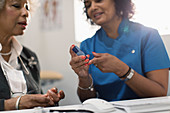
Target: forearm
{"x": 85, "y": 89}
{"x": 147, "y": 87}
{"x": 9, "y": 104}
{"x": 85, "y": 94}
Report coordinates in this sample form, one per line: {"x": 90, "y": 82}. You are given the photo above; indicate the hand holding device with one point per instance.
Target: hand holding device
{"x": 77, "y": 50}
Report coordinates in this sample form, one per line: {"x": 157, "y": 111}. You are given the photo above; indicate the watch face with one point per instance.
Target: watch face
{"x": 131, "y": 74}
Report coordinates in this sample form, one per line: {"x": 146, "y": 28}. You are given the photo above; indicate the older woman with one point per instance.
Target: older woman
{"x": 127, "y": 60}
{"x": 19, "y": 66}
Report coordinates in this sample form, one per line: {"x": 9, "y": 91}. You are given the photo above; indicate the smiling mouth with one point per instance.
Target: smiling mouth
{"x": 97, "y": 15}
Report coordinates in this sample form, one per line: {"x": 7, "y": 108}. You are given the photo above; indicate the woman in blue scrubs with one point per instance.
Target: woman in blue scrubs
{"x": 124, "y": 60}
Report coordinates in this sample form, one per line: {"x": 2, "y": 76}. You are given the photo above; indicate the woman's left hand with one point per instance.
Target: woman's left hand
{"x": 54, "y": 95}
{"x": 109, "y": 63}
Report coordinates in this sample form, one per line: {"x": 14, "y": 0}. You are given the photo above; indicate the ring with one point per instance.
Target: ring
{"x": 96, "y": 65}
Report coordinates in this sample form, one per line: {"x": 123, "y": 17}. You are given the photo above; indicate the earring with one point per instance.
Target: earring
{"x": 91, "y": 22}
{"x": 121, "y": 13}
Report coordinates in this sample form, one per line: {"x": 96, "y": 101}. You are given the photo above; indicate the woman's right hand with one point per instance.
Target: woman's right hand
{"x": 29, "y": 101}
{"x": 79, "y": 63}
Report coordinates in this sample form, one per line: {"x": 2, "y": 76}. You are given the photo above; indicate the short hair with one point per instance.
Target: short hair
{"x": 2, "y": 3}
{"x": 124, "y": 9}
{"x": 33, "y": 4}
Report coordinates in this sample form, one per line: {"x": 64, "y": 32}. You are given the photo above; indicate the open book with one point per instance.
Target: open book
{"x": 93, "y": 105}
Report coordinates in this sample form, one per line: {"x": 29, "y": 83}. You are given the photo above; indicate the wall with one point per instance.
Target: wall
{"x": 166, "y": 40}
{"x": 52, "y": 48}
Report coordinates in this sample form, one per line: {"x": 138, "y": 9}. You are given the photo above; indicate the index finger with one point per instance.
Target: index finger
{"x": 61, "y": 94}
{"x": 95, "y": 60}
{"x": 55, "y": 90}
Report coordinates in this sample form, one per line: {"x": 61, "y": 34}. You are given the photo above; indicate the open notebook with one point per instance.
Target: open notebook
{"x": 94, "y": 105}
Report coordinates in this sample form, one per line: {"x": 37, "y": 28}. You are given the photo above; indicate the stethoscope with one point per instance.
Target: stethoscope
{"x": 31, "y": 62}
{"x": 25, "y": 68}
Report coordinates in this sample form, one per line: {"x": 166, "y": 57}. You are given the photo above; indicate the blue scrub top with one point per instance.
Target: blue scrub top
{"x": 140, "y": 47}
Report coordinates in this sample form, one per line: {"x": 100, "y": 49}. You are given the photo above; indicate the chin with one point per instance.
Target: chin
{"x": 99, "y": 22}
{"x": 17, "y": 34}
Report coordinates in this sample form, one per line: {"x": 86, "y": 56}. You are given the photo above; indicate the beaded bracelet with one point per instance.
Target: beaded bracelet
{"x": 89, "y": 88}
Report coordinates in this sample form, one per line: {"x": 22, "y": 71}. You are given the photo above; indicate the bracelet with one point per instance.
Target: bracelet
{"x": 17, "y": 102}
{"x": 126, "y": 73}
{"x": 89, "y": 88}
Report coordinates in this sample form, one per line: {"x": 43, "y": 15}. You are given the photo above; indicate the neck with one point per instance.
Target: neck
{"x": 6, "y": 43}
{"x": 111, "y": 29}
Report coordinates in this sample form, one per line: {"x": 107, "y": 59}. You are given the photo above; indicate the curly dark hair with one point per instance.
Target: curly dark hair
{"x": 124, "y": 9}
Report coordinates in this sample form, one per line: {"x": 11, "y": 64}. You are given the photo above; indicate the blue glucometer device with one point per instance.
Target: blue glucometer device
{"x": 78, "y": 51}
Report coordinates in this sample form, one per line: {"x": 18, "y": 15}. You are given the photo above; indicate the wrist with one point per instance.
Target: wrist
{"x": 18, "y": 102}
{"x": 84, "y": 78}
{"x": 86, "y": 84}
{"x": 90, "y": 88}
{"x": 129, "y": 74}
{"x": 126, "y": 74}
{"x": 122, "y": 70}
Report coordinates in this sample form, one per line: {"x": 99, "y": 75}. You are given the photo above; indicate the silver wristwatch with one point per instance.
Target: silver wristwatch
{"x": 130, "y": 75}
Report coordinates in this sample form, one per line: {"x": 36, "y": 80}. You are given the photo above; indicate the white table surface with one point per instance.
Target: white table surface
{"x": 156, "y": 108}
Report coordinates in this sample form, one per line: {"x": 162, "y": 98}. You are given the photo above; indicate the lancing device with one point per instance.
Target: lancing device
{"x": 78, "y": 51}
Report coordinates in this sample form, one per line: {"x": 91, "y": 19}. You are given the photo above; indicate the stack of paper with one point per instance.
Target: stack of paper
{"x": 144, "y": 105}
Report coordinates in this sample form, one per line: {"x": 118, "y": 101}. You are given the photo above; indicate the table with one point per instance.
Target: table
{"x": 49, "y": 77}
{"x": 151, "y": 109}
{"x": 47, "y": 74}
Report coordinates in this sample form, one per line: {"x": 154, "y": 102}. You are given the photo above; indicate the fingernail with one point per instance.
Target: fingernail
{"x": 55, "y": 90}
{"x": 88, "y": 56}
{"x": 51, "y": 91}
{"x": 93, "y": 52}
{"x": 73, "y": 45}
{"x": 83, "y": 57}
{"x": 87, "y": 60}
{"x": 89, "y": 63}
{"x": 45, "y": 95}
{"x": 86, "y": 64}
